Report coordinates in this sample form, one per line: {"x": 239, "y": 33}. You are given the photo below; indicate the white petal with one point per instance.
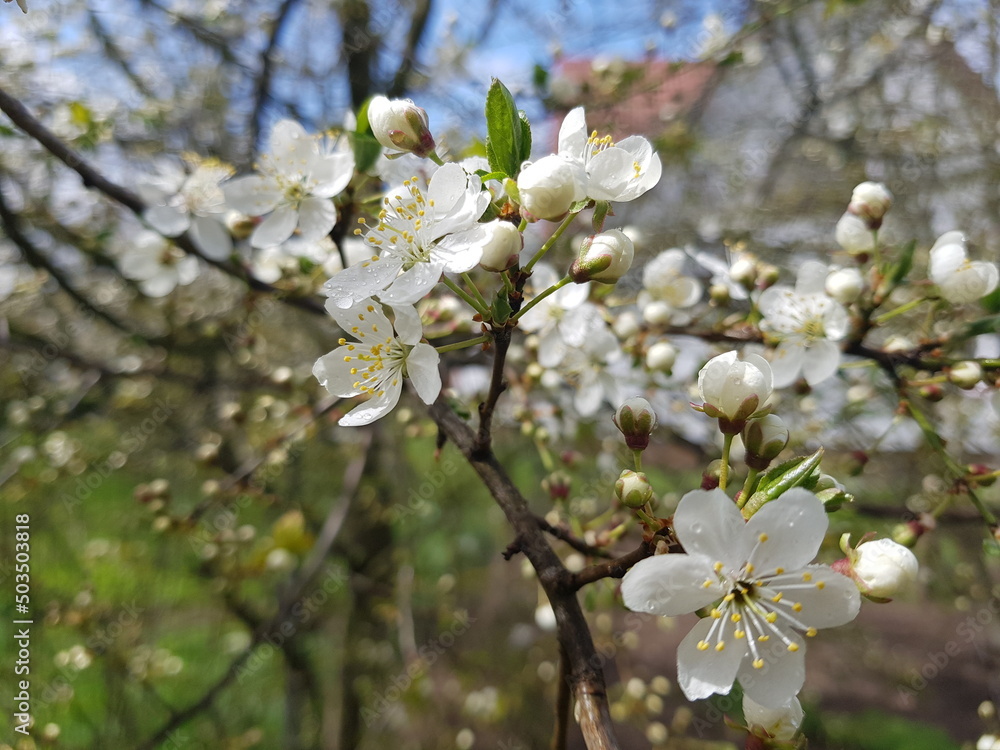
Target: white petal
{"x": 292, "y": 148}
{"x": 187, "y": 270}
{"x": 276, "y": 228}
{"x": 821, "y": 362}
{"x": 794, "y": 526}
{"x": 252, "y": 195}
{"x": 316, "y": 218}
{"x": 422, "y": 369}
{"x": 159, "y": 285}
{"x": 836, "y": 603}
{"x": 946, "y": 259}
{"x": 670, "y": 585}
{"x": 332, "y": 174}
{"x": 811, "y": 278}
{"x": 374, "y": 408}
{"x": 167, "y": 220}
{"x": 362, "y": 318}
{"x": 782, "y": 675}
{"x": 705, "y": 673}
{"x": 786, "y": 364}
{"x": 551, "y": 348}
{"x": 573, "y": 133}
{"x": 708, "y": 523}
{"x": 409, "y": 329}
{"x": 413, "y": 285}
{"x": 211, "y": 238}
{"x": 589, "y": 394}
{"x": 462, "y": 251}
{"x": 139, "y": 264}
{"x": 353, "y": 284}
{"x": 447, "y": 186}
{"x": 334, "y": 374}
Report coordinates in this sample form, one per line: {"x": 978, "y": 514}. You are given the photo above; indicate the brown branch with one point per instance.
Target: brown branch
{"x": 21, "y": 117}
{"x": 565, "y": 535}
{"x": 582, "y": 660}
{"x": 611, "y": 568}
{"x": 418, "y": 25}
{"x": 501, "y": 342}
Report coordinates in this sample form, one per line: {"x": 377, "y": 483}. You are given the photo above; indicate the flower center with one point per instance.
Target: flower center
{"x": 401, "y": 222}
{"x": 374, "y": 359}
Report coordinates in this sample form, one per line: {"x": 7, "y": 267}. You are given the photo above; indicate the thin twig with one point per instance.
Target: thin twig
{"x": 564, "y": 534}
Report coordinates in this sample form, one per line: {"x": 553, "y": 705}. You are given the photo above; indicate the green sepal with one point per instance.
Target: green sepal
{"x": 500, "y": 308}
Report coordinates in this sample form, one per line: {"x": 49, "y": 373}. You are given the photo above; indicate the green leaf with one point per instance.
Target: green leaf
{"x": 991, "y": 302}
{"x": 366, "y": 148}
{"x": 503, "y": 130}
{"x": 989, "y": 324}
{"x": 525, "y": 138}
{"x": 899, "y": 270}
{"x": 501, "y": 308}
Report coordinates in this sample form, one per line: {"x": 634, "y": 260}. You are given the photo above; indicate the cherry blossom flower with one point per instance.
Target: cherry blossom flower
{"x": 157, "y": 265}
{"x": 548, "y": 187}
{"x": 604, "y": 257}
{"x": 377, "y": 362}
{"x": 807, "y": 322}
{"x": 882, "y": 568}
{"x": 763, "y": 593}
{"x": 781, "y": 723}
{"x": 563, "y": 320}
{"x": 418, "y": 237}
{"x": 180, "y": 202}
{"x": 960, "y": 279}
{"x": 665, "y": 287}
{"x": 612, "y": 171}
{"x": 869, "y": 202}
{"x": 294, "y": 188}
{"x": 732, "y": 389}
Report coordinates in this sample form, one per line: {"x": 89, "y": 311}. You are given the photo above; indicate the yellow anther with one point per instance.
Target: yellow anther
{"x": 771, "y": 617}
{"x": 342, "y": 341}
{"x": 793, "y": 647}
{"x": 762, "y": 537}
{"x": 777, "y": 597}
{"x": 707, "y": 584}
{"x": 729, "y": 597}
{"x": 716, "y": 614}
{"x": 718, "y": 567}
{"x": 371, "y": 308}
{"x": 779, "y": 571}
{"x": 749, "y": 568}
{"x": 720, "y": 646}
{"x": 739, "y": 633}
{"x": 764, "y": 638}
{"x": 347, "y": 359}
{"x": 821, "y": 585}
{"x": 703, "y": 645}
{"x": 354, "y": 371}
{"x": 735, "y": 617}
{"x": 807, "y": 577}
{"x": 797, "y": 606}
{"x": 811, "y": 632}
{"x": 758, "y": 663}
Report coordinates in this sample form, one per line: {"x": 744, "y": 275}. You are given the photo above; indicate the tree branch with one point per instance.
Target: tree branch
{"x": 418, "y": 25}
{"x": 583, "y": 661}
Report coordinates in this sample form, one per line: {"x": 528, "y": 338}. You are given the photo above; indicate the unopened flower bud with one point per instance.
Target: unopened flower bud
{"x": 744, "y": 271}
{"x": 780, "y": 724}
{"x": 633, "y": 489}
{"x": 548, "y": 187}
{"x": 980, "y": 475}
{"x": 767, "y": 275}
{"x": 636, "y": 420}
{"x": 859, "y": 459}
{"x": 502, "y": 246}
{"x": 906, "y": 534}
{"x": 626, "y": 324}
{"x": 400, "y": 125}
{"x": 661, "y": 356}
{"x": 932, "y": 392}
{"x": 763, "y": 440}
{"x": 557, "y": 485}
{"x": 966, "y": 374}
{"x": 870, "y": 202}
{"x": 732, "y": 389}
{"x": 845, "y": 285}
{"x": 712, "y": 476}
{"x": 853, "y": 235}
{"x": 883, "y": 568}
{"x": 604, "y": 257}
{"x": 718, "y": 294}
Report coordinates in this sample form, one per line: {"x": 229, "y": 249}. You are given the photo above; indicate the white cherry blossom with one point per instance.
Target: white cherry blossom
{"x": 612, "y": 171}
{"x": 960, "y": 280}
{"x": 764, "y": 596}
{"x": 376, "y": 363}
{"x": 665, "y": 287}
{"x": 156, "y": 264}
{"x": 807, "y": 322}
{"x": 734, "y": 388}
{"x": 181, "y": 202}
{"x": 781, "y": 723}
{"x": 294, "y": 187}
{"x": 563, "y": 320}
{"x": 421, "y": 234}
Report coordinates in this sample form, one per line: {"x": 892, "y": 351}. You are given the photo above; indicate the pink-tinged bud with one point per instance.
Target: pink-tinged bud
{"x": 400, "y": 125}
{"x": 502, "y": 246}
{"x": 604, "y": 257}
{"x": 980, "y": 475}
{"x": 636, "y": 420}
{"x": 633, "y": 489}
{"x": 548, "y": 187}
{"x": 763, "y": 440}
{"x": 859, "y": 459}
{"x": 966, "y": 374}
{"x": 869, "y": 202}
{"x": 712, "y": 476}
{"x": 557, "y": 485}
{"x": 932, "y": 392}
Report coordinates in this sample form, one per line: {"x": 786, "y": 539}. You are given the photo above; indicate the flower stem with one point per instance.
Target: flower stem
{"x": 433, "y": 156}
{"x": 727, "y": 444}
{"x": 463, "y": 344}
{"x": 475, "y": 290}
{"x": 508, "y": 285}
{"x": 748, "y": 486}
{"x": 522, "y": 226}
{"x": 550, "y": 242}
{"x": 899, "y": 310}
{"x": 876, "y": 252}
{"x": 555, "y": 287}
{"x": 472, "y": 302}
{"x": 637, "y": 458}
{"x": 645, "y": 518}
